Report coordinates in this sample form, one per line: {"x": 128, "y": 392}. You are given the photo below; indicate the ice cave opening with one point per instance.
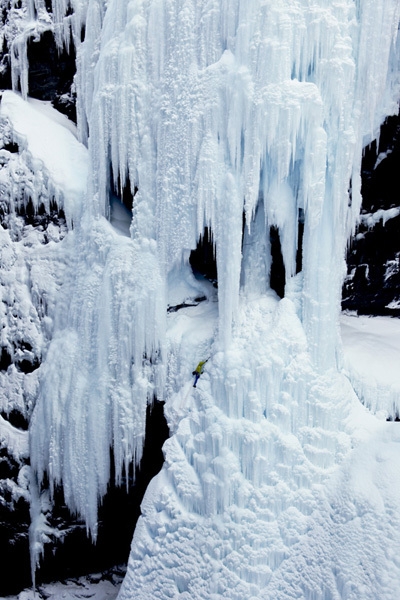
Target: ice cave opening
{"x": 203, "y": 258}
{"x": 121, "y": 202}
{"x": 278, "y": 273}
{"x": 123, "y": 190}
{"x": 300, "y": 233}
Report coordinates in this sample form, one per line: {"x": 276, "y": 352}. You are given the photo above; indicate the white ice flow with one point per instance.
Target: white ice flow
{"x": 278, "y": 483}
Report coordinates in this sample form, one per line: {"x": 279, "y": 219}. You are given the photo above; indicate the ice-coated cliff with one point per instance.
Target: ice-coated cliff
{"x": 239, "y": 117}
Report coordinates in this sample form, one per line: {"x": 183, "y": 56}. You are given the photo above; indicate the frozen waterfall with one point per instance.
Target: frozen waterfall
{"x": 238, "y": 116}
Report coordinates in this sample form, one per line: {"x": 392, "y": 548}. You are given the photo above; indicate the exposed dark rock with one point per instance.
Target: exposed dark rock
{"x": 26, "y": 366}
{"x": 5, "y": 359}
{"x": 74, "y": 554}
{"x": 17, "y": 419}
{"x": 300, "y": 235}
{"x": 41, "y": 218}
{"x": 21, "y": 355}
{"x": 11, "y": 147}
{"x": 5, "y": 66}
{"x": 372, "y": 285}
{"x": 14, "y": 527}
{"x": 380, "y": 177}
{"x": 9, "y": 468}
{"x": 51, "y": 73}
{"x": 14, "y": 544}
{"x": 177, "y": 307}
{"x": 51, "y": 70}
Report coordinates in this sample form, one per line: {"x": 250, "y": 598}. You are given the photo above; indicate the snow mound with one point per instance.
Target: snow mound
{"x": 58, "y": 161}
{"x": 371, "y": 359}
{"x": 277, "y": 483}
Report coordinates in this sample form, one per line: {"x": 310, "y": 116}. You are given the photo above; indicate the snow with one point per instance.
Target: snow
{"x": 381, "y": 157}
{"x": 281, "y": 498}
{"x": 371, "y": 219}
{"x": 52, "y": 149}
{"x": 15, "y": 441}
{"x": 371, "y": 358}
{"x": 393, "y": 304}
{"x": 46, "y": 108}
{"x": 277, "y": 480}
{"x": 98, "y": 586}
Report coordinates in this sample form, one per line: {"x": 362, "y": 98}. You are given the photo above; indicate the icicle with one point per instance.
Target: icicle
{"x": 19, "y": 65}
{"x": 256, "y": 264}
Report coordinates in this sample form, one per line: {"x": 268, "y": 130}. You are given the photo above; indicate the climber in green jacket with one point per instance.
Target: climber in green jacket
{"x": 198, "y": 371}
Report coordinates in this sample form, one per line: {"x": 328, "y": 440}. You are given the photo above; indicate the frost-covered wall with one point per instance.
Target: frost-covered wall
{"x": 216, "y": 114}
{"x": 34, "y": 186}
{"x": 212, "y": 111}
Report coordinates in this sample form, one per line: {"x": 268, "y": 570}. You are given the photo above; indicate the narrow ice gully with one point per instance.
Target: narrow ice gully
{"x": 277, "y": 482}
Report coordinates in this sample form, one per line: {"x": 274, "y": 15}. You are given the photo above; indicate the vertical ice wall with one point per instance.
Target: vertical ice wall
{"x": 214, "y": 107}
{"x": 212, "y": 110}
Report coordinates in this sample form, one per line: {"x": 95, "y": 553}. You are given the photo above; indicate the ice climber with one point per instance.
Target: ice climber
{"x": 199, "y": 370}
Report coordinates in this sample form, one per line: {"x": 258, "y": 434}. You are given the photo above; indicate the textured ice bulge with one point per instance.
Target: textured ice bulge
{"x": 239, "y": 117}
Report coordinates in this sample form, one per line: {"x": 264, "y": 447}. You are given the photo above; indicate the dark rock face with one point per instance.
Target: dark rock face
{"x": 51, "y": 74}
{"x": 73, "y": 553}
{"x": 372, "y": 286}
{"x": 5, "y": 66}
{"x": 119, "y": 511}
{"x": 51, "y": 69}
{"x": 14, "y": 536}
